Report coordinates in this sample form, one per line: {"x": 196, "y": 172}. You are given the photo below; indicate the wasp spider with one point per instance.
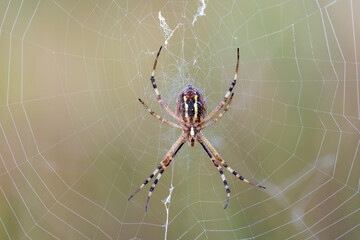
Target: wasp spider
{"x": 191, "y": 116}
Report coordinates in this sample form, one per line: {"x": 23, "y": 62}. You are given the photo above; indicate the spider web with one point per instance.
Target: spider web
{"x": 75, "y": 142}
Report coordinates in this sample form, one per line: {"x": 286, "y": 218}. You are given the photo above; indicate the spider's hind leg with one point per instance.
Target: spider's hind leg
{"x": 227, "y": 95}
{"x": 158, "y": 96}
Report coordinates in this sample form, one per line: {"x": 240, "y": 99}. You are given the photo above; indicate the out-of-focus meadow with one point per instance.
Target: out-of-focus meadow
{"x": 75, "y": 142}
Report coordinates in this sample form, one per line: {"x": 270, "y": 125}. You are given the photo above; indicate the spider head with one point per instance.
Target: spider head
{"x": 192, "y": 136}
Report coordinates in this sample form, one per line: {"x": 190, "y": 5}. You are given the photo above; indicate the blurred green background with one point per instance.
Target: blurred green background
{"x": 75, "y": 142}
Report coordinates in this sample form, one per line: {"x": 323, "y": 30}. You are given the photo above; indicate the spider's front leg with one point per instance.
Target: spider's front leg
{"x": 217, "y": 155}
{"x": 216, "y": 164}
{"x": 162, "y": 166}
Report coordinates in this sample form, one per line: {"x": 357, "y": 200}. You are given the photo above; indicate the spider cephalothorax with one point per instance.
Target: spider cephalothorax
{"x": 191, "y": 115}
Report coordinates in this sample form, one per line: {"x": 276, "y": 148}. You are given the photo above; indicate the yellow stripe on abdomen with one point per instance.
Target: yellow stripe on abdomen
{"x": 195, "y": 108}
{"x": 186, "y": 109}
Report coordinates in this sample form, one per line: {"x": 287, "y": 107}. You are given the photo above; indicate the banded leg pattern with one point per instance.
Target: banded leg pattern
{"x": 220, "y": 115}
{"x": 216, "y": 164}
{"x": 217, "y": 155}
{"x": 159, "y": 117}
{"x": 161, "y": 168}
{"x": 158, "y": 96}
{"x": 147, "y": 180}
{"x": 160, "y": 174}
{"x": 227, "y": 95}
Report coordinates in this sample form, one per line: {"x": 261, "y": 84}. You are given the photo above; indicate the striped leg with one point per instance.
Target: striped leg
{"x": 167, "y": 109}
{"x": 154, "y": 184}
{"x": 164, "y": 166}
{"x": 159, "y": 117}
{"x": 220, "y": 115}
{"x": 217, "y": 155}
{"x": 173, "y": 150}
{"x": 220, "y": 171}
{"x": 227, "y": 95}
{"x": 147, "y": 180}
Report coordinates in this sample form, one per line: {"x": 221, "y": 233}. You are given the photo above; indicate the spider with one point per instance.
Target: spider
{"x": 191, "y": 115}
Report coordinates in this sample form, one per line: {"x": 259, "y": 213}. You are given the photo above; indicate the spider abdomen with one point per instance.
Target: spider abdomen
{"x": 191, "y": 105}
